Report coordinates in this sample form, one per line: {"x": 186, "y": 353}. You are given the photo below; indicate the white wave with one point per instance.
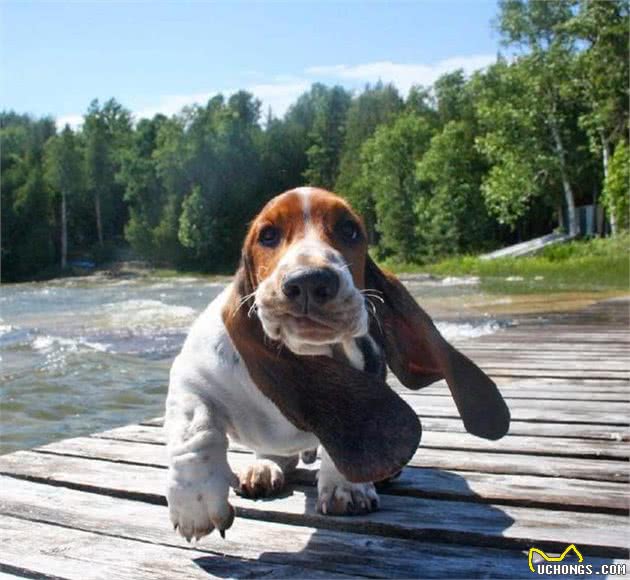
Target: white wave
{"x": 48, "y": 344}
{"x": 5, "y": 329}
{"x": 460, "y": 281}
{"x": 148, "y": 313}
{"x": 457, "y": 330}
{"x": 163, "y": 286}
{"x": 187, "y": 280}
{"x": 514, "y": 278}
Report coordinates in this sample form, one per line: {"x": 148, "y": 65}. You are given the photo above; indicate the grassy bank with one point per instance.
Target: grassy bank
{"x": 590, "y": 265}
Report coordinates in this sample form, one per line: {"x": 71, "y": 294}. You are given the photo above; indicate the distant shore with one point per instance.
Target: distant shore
{"x": 600, "y": 265}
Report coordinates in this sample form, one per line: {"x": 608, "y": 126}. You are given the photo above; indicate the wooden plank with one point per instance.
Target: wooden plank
{"x": 547, "y": 411}
{"x": 584, "y": 448}
{"x": 308, "y": 547}
{"x": 408, "y": 517}
{"x": 537, "y": 337}
{"x": 613, "y": 408}
{"x": 523, "y": 490}
{"x": 539, "y": 395}
{"x": 611, "y": 369}
{"x": 539, "y": 429}
{"x": 539, "y": 390}
{"x": 505, "y": 463}
{"x": 541, "y": 446}
{"x": 616, "y": 357}
{"x": 45, "y": 549}
{"x": 500, "y": 371}
{"x": 551, "y": 349}
{"x": 8, "y": 571}
{"x": 432, "y": 482}
{"x": 514, "y": 463}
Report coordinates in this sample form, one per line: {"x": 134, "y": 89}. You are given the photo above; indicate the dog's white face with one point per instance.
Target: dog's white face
{"x": 307, "y": 250}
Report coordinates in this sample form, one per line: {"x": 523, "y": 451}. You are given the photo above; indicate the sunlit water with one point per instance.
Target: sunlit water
{"x": 86, "y": 354}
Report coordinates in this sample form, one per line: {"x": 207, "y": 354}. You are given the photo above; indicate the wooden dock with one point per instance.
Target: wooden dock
{"x": 94, "y": 507}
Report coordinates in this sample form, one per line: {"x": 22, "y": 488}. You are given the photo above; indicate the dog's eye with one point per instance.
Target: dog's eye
{"x": 269, "y": 236}
{"x": 349, "y": 230}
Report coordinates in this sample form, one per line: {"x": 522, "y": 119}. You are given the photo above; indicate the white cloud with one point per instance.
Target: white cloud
{"x": 404, "y": 76}
{"x": 285, "y": 89}
{"x": 279, "y": 96}
{"x": 75, "y": 121}
{"x": 171, "y": 104}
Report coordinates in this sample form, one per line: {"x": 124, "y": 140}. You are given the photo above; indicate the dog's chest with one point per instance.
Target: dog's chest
{"x": 251, "y": 418}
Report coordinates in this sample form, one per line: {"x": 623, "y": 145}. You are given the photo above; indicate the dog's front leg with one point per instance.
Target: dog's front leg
{"x": 338, "y": 496}
{"x": 199, "y": 476}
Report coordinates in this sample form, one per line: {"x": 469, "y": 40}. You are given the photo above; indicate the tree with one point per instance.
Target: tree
{"x": 603, "y": 76}
{"x": 616, "y": 197}
{"x": 326, "y": 135}
{"x": 452, "y": 216}
{"x": 454, "y": 98}
{"x": 388, "y": 161}
{"x": 375, "y": 106}
{"x": 27, "y": 220}
{"x": 223, "y": 173}
{"x": 546, "y": 64}
{"x": 145, "y": 193}
{"x": 107, "y": 131}
{"x": 63, "y": 164}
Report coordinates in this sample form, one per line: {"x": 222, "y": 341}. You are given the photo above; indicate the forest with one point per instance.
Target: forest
{"x": 464, "y": 166}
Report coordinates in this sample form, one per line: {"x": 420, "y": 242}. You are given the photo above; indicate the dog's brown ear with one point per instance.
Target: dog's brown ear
{"x": 367, "y": 429}
{"x": 419, "y": 355}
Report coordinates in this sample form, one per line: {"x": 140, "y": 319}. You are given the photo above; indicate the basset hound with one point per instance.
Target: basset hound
{"x": 292, "y": 356}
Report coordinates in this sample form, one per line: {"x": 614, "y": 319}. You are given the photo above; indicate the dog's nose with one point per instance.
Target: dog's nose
{"x": 317, "y": 285}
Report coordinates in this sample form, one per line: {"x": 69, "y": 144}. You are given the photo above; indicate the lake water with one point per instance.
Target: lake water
{"x": 80, "y": 355}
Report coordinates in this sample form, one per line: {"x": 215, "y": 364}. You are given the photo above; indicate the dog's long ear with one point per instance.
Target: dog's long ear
{"x": 419, "y": 355}
{"x": 367, "y": 429}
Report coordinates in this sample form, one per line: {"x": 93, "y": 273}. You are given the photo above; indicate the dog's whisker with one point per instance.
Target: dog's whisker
{"x": 372, "y": 311}
{"x": 344, "y": 267}
{"x": 242, "y": 303}
{"x": 376, "y": 297}
{"x": 374, "y": 290}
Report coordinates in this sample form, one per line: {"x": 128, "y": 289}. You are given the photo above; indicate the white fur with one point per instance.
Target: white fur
{"x": 211, "y": 395}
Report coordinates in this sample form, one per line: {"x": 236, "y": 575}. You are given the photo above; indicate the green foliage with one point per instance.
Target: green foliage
{"x": 593, "y": 265}
{"x": 330, "y": 107}
{"x": 63, "y": 163}
{"x": 603, "y": 67}
{"x": 107, "y": 131}
{"x": 28, "y": 224}
{"x": 374, "y": 107}
{"x": 602, "y": 79}
{"x": 389, "y": 161}
{"x": 453, "y": 217}
{"x": 616, "y": 198}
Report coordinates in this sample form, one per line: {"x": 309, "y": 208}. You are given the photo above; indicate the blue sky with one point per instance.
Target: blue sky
{"x": 153, "y": 56}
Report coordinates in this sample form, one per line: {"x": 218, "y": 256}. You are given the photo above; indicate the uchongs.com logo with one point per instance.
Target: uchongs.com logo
{"x": 550, "y": 565}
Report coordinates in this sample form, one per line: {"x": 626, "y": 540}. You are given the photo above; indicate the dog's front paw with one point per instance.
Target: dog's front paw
{"x": 199, "y": 506}
{"x": 263, "y": 478}
{"x": 345, "y": 498}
